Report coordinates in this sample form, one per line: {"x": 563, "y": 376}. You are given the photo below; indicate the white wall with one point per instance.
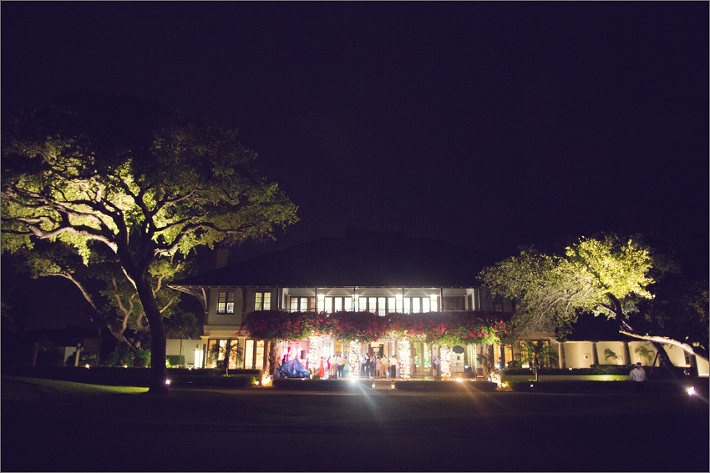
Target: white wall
{"x": 579, "y": 354}
{"x": 635, "y": 358}
{"x": 619, "y": 348}
{"x": 188, "y": 348}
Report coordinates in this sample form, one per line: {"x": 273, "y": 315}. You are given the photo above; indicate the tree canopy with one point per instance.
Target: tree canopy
{"x": 141, "y": 181}
{"x": 606, "y": 276}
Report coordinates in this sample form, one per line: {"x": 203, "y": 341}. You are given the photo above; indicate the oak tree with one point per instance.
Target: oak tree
{"x": 606, "y": 276}
{"x": 143, "y": 182}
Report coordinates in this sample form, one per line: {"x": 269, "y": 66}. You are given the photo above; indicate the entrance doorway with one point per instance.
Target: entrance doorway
{"x": 421, "y": 359}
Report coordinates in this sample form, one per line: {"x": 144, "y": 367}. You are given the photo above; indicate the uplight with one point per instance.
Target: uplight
{"x": 691, "y": 390}
{"x": 87, "y": 366}
{"x": 392, "y": 385}
{"x": 167, "y": 381}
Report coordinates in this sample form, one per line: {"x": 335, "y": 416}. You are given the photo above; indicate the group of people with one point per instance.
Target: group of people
{"x": 332, "y": 367}
{"x": 372, "y": 366}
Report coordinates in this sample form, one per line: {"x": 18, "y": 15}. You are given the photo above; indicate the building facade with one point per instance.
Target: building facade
{"x": 377, "y": 272}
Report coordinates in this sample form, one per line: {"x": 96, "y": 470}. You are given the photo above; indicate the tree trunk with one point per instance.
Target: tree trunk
{"x": 158, "y": 370}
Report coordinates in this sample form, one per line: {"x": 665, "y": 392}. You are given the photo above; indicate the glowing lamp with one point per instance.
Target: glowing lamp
{"x": 459, "y": 380}
{"x": 87, "y": 366}
{"x": 392, "y": 385}
{"x": 167, "y": 381}
{"x": 691, "y": 390}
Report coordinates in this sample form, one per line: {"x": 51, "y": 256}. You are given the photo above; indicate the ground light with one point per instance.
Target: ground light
{"x": 167, "y": 381}
{"x": 691, "y": 390}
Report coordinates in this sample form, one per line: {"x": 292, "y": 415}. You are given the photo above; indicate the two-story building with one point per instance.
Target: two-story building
{"x": 378, "y": 272}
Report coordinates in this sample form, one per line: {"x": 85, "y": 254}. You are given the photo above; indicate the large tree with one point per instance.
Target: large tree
{"x": 103, "y": 284}
{"x": 144, "y": 182}
{"x": 607, "y": 276}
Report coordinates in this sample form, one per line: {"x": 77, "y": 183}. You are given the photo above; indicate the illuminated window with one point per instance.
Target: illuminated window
{"x": 225, "y": 302}
{"x": 391, "y": 304}
{"x": 262, "y": 301}
{"x": 335, "y": 304}
{"x": 425, "y": 304}
{"x": 414, "y": 305}
{"x": 218, "y": 349}
{"x": 303, "y": 304}
{"x": 249, "y": 354}
{"x": 377, "y": 305}
{"x": 372, "y": 304}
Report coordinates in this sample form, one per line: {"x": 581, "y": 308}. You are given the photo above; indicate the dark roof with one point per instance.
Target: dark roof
{"x": 365, "y": 259}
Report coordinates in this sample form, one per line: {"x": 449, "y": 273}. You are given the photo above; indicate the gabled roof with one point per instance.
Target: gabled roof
{"x": 364, "y": 259}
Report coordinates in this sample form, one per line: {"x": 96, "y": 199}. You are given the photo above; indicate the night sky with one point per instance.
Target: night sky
{"x": 487, "y": 125}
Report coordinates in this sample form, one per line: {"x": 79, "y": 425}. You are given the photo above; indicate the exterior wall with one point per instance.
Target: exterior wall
{"x": 579, "y": 354}
{"x": 635, "y": 357}
{"x": 619, "y": 348}
{"x": 677, "y": 355}
{"x": 213, "y": 318}
{"x": 188, "y": 349}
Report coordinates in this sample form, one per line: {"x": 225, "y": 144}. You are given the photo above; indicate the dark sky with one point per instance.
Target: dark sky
{"x": 488, "y": 125}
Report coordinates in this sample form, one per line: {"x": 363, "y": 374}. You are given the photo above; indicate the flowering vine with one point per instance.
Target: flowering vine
{"x": 450, "y": 328}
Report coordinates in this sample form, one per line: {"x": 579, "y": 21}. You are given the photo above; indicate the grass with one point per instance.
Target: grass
{"x": 361, "y": 406}
{"x": 50, "y": 387}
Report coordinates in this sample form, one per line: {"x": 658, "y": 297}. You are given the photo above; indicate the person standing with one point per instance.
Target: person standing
{"x": 384, "y": 366}
{"x": 321, "y": 369}
{"x": 638, "y": 377}
{"x": 341, "y": 367}
{"x": 435, "y": 363}
{"x": 378, "y": 367}
{"x": 393, "y": 366}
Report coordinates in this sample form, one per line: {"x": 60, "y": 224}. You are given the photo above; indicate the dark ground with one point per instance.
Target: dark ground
{"x": 260, "y": 430}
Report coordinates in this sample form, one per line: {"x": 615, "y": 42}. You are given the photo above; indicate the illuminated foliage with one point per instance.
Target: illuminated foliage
{"x": 145, "y": 183}
{"x": 605, "y": 276}
{"x": 595, "y": 275}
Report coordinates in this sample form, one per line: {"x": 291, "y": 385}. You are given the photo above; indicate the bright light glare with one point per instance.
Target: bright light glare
{"x": 459, "y": 380}
{"x": 167, "y": 381}
{"x": 392, "y": 385}
{"x": 87, "y": 367}
{"x": 691, "y": 390}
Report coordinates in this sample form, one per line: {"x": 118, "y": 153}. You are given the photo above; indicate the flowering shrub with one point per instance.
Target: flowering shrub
{"x": 449, "y": 328}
